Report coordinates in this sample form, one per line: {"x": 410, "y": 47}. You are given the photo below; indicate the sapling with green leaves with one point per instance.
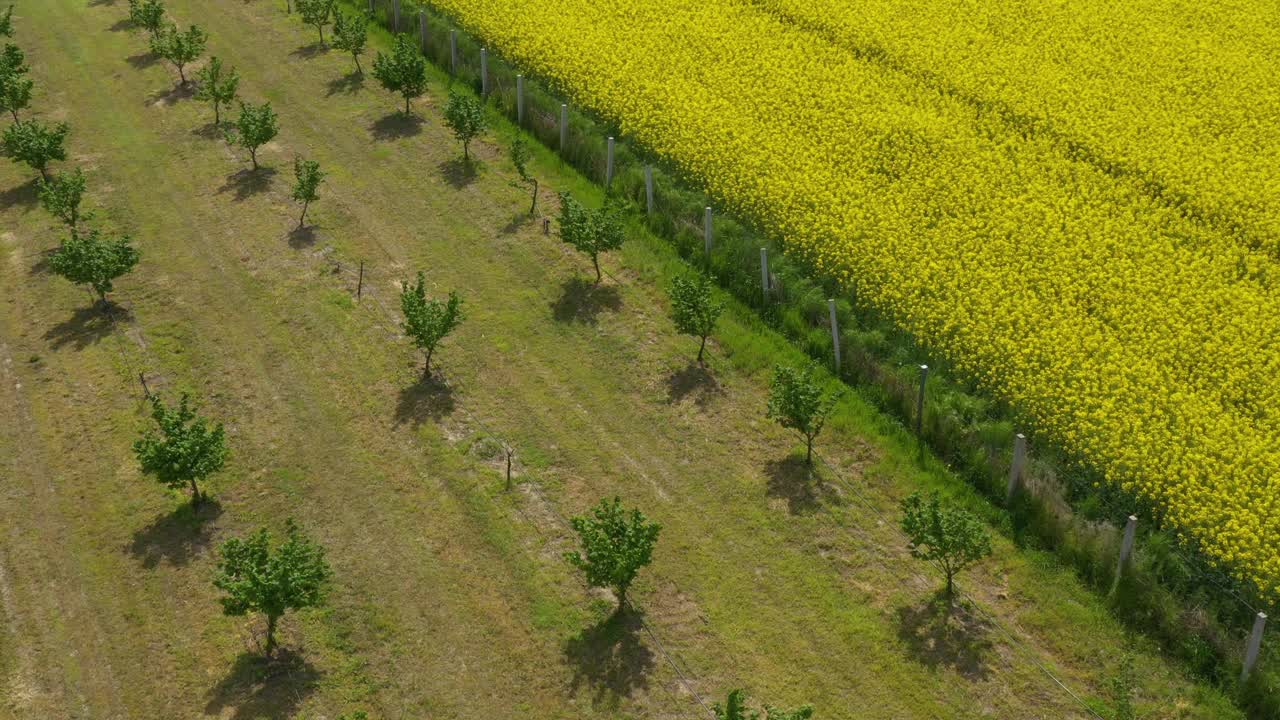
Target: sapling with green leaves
{"x": 798, "y": 402}
{"x": 15, "y": 86}
{"x": 257, "y": 579}
{"x": 35, "y": 144}
{"x": 184, "y": 449}
{"x": 6, "y": 23}
{"x": 694, "y": 308}
{"x": 427, "y": 320}
{"x": 307, "y": 178}
{"x": 216, "y": 87}
{"x": 61, "y": 195}
{"x": 350, "y": 34}
{"x": 180, "y": 48}
{"x": 404, "y": 71}
{"x": 94, "y": 259}
{"x": 616, "y": 545}
{"x": 317, "y": 14}
{"x": 147, "y": 14}
{"x": 590, "y": 231}
{"x": 735, "y": 708}
{"x": 465, "y": 116}
{"x": 256, "y": 126}
{"x": 520, "y": 157}
{"x": 944, "y": 534}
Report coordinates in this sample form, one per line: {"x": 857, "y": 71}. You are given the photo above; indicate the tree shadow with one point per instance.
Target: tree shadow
{"x": 796, "y": 481}
{"x": 97, "y": 3}
{"x": 306, "y": 52}
{"x": 427, "y": 399}
{"x": 209, "y": 131}
{"x": 41, "y": 266}
{"x": 939, "y": 633}
{"x": 692, "y": 380}
{"x": 348, "y": 84}
{"x": 142, "y": 60}
{"x": 181, "y": 91}
{"x": 85, "y": 327}
{"x": 302, "y": 237}
{"x": 26, "y": 195}
{"x": 260, "y": 688}
{"x": 518, "y": 221}
{"x": 582, "y": 301}
{"x": 610, "y": 656}
{"x": 458, "y": 172}
{"x": 395, "y": 126}
{"x": 177, "y": 536}
{"x": 121, "y": 25}
{"x": 248, "y": 182}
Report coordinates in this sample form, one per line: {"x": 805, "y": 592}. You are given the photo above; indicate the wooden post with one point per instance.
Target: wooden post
{"x": 360, "y": 282}
{"x": 546, "y": 226}
{"x": 453, "y": 52}
{"x": 422, "y": 30}
{"x": 835, "y": 332}
{"x": 764, "y": 273}
{"x": 1015, "y": 470}
{"x": 564, "y": 127}
{"x": 648, "y": 189}
{"x": 395, "y": 15}
{"x": 608, "y": 164}
{"x": 1255, "y": 644}
{"x": 484, "y": 73}
{"x": 1126, "y": 546}
{"x": 924, "y": 376}
{"x": 520, "y": 100}
{"x": 707, "y": 230}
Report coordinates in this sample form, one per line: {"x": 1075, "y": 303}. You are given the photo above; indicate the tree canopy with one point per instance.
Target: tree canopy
{"x": 259, "y": 580}
{"x": 520, "y": 157}
{"x": 147, "y": 14}
{"x": 615, "y": 546}
{"x": 61, "y": 196}
{"x": 178, "y": 47}
{"x": 216, "y": 87}
{"x": 15, "y": 86}
{"x": 590, "y": 231}
{"x": 427, "y": 321}
{"x": 350, "y": 34}
{"x": 465, "y": 116}
{"x": 35, "y": 144}
{"x": 694, "y": 309}
{"x": 256, "y": 126}
{"x": 317, "y": 13}
{"x": 404, "y": 71}
{"x": 93, "y": 260}
{"x": 944, "y": 534}
{"x": 307, "y": 178}
{"x": 185, "y": 450}
{"x": 798, "y": 402}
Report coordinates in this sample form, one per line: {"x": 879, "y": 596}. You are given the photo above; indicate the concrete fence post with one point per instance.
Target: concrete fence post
{"x": 1015, "y": 470}
{"x": 764, "y": 274}
{"x": 608, "y": 164}
{"x": 395, "y": 15}
{"x": 1126, "y": 546}
{"x": 924, "y": 377}
{"x": 835, "y": 333}
{"x": 1255, "y": 644}
{"x": 564, "y": 127}
{"x": 372, "y": 9}
{"x": 422, "y": 30}
{"x": 484, "y": 73}
{"x": 453, "y": 52}
{"x": 648, "y": 189}
{"x": 707, "y": 230}
{"x": 520, "y": 100}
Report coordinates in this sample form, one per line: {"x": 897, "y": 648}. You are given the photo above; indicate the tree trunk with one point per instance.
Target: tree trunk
{"x": 217, "y": 114}
{"x": 321, "y": 29}
{"x": 43, "y": 173}
{"x": 702, "y": 347}
{"x": 359, "y": 69}
{"x": 195, "y": 493}
{"x": 271, "y": 635}
{"x": 466, "y": 152}
{"x": 808, "y": 455}
{"x": 426, "y": 373}
{"x": 595, "y": 260}
{"x": 406, "y": 104}
{"x": 302, "y": 221}
{"x": 950, "y": 586}
{"x": 253, "y": 157}
{"x": 533, "y": 206}
{"x": 14, "y": 113}
{"x": 182, "y": 75}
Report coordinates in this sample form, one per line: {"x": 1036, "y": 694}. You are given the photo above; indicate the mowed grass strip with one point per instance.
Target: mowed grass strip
{"x": 451, "y": 598}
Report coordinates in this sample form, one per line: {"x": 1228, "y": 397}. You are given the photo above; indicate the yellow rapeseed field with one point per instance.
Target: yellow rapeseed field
{"x": 1141, "y": 339}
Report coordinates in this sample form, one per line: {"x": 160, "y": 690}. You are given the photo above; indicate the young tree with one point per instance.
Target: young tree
{"x": 694, "y": 309}
{"x": 255, "y": 579}
{"x": 615, "y": 546}
{"x": 947, "y": 535}
{"x": 256, "y": 126}
{"x": 403, "y": 71}
{"x": 6, "y": 23}
{"x": 147, "y": 14}
{"x": 90, "y": 259}
{"x": 15, "y": 87}
{"x": 307, "y": 176}
{"x": 350, "y": 33}
{"x": 36, "y": 144}
{"x": 736, "y": 709}
{"x": 590, "y": 231}
{"x": 61, "y": 196}
{"x": 180, "y": 48}
{"x": 185, "y": 451}
{"x": 317, "y": 13}
{"x": 427, "y": 321}
{"x": 217, "y": 88}
{"x": 465, "y": 117}
{"x": 520, "y": 156}
{"x": 797, "y": 402}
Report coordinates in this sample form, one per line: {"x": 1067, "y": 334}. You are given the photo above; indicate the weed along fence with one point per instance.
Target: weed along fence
{"x": 1041, "y": 495}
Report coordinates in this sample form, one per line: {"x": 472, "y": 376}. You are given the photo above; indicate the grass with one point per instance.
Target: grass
{"x": 452, "y": 599}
